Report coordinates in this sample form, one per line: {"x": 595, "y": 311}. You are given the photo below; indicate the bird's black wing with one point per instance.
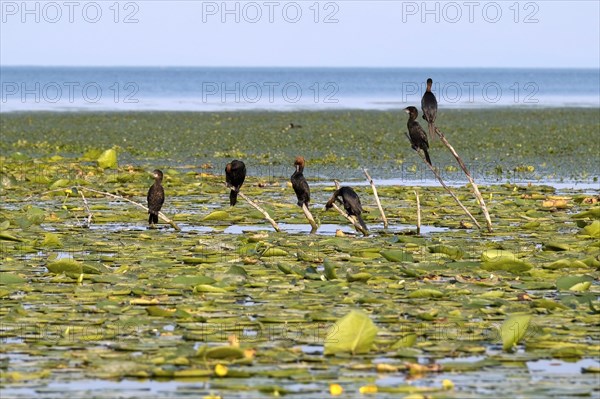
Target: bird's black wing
{"x": 429, "y": 106}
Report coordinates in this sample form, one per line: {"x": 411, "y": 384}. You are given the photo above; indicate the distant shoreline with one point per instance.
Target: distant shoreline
{"x": 399, "y": 108}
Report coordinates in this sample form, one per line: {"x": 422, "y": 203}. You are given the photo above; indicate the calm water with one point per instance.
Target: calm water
{"x": 215, "y": 89}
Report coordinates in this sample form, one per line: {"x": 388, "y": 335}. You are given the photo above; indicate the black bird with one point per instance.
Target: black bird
{"x": 299, "y": 183}
{"x": 429, "y": 106}
{"x": 350, "y": 201}
{"x": 416, "y": 134}
{"x": 156, "y": 197}
{"x": 291, "y": 126}
{"x": 235, "y": 174}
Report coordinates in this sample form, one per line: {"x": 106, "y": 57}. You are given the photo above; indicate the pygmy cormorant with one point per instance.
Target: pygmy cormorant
{"x": 235, "y": 174}
{"x": 156, "y": 197}
{"x": 299, "y": 183}
{"x": 416, "y": 134}
{"x": 429, "y": 106}
{"x": 350, "y": 201}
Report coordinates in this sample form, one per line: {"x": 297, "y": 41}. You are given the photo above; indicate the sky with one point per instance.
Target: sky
{"x": 548, "y": 34}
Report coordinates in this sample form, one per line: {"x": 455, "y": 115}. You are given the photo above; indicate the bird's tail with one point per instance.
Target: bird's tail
{"x": 427, "y": 156}
{"x": 432, "y": 135}
{"x": 233, "y": 197}
{"x": 361, "y": 222}
{"x": 152, "y": 218}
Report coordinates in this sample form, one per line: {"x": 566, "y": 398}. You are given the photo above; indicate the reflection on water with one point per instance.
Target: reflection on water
{"x": 291, "y": 228}
{"x": 551, "y": 374}
{"x": 330, "y": 229}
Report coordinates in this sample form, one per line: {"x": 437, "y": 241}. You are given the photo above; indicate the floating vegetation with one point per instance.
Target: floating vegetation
{"x": 228, "y": 307}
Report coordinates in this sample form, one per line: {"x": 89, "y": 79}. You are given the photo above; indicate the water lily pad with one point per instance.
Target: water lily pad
{"x": 492, "y": 254}
{"x": 192, "y": 280}
{"x": 52, "y": 240}
{"x": 221, "y": 353}
{"x": 273, "y": 251}
{"x": 513, "y": 329}
{"x": 556, "y": 246}
{"x": 108, "y": 159}
{"x": 353, "y": 333}
{"x": 592, "y": 230}
{"x": 593, "y": 213}
{"x": 425, "y": 293}
{"x": 565, "y": 283}
{"x": 581, "y": 287}
{"x": 396, "y": 255}
{"x": 9, "y": 237}
{"x": 10, "y": 278}
{"x": 453, "y": 252}
{"x": 361, "y": 276}
{"x": 508, "y": 264}
{"x": 65, "y": 266}
{"x": 216, "y": 215}
{"x": 330, "y": 268}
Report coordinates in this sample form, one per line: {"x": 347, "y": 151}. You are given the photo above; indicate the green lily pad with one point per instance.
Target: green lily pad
{"x": 565, "y": 283}
{"x": 494, "y": 254}
{"x": 221, "y": 353}
{"x": 272, "y": 251}
{"x": 513, "y": 329}
{"x": 453, "y": 252}
{"x": 65, "y": 266}
{"x": 8, "y": 237}
{"x": 508, "y": 264}
{"x": 592, "y": 230}
{"x": 396, "y": 255}
{"x": 353, "y": 333}
{"x": 10, "y": 278}
{"x": 52, "y": 240}
{"x": 330, "y": 268}
{"x": 108, "y": 159}
{"x": 426, "y": 293}
{"x": 216, "y": 215}
{"x": 593, "y": 213}
{"x": 555, "y": 246}
{"x": 192, "y": 280}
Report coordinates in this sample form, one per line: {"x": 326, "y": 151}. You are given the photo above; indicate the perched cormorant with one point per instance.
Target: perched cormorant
{"x": 350, "y": 201}
{"x": 235, "y": 174}
{"x": 299, "y": 183}
{"x": 156, "y": 197}
{"x": 429, "y": 106}
{"x": 416, "y": 134}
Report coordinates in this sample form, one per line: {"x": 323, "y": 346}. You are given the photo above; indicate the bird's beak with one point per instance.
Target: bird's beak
{"x": 407, "y": 111}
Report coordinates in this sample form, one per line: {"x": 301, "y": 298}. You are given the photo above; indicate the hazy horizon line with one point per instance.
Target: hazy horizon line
{"x": 294, "y": 66}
